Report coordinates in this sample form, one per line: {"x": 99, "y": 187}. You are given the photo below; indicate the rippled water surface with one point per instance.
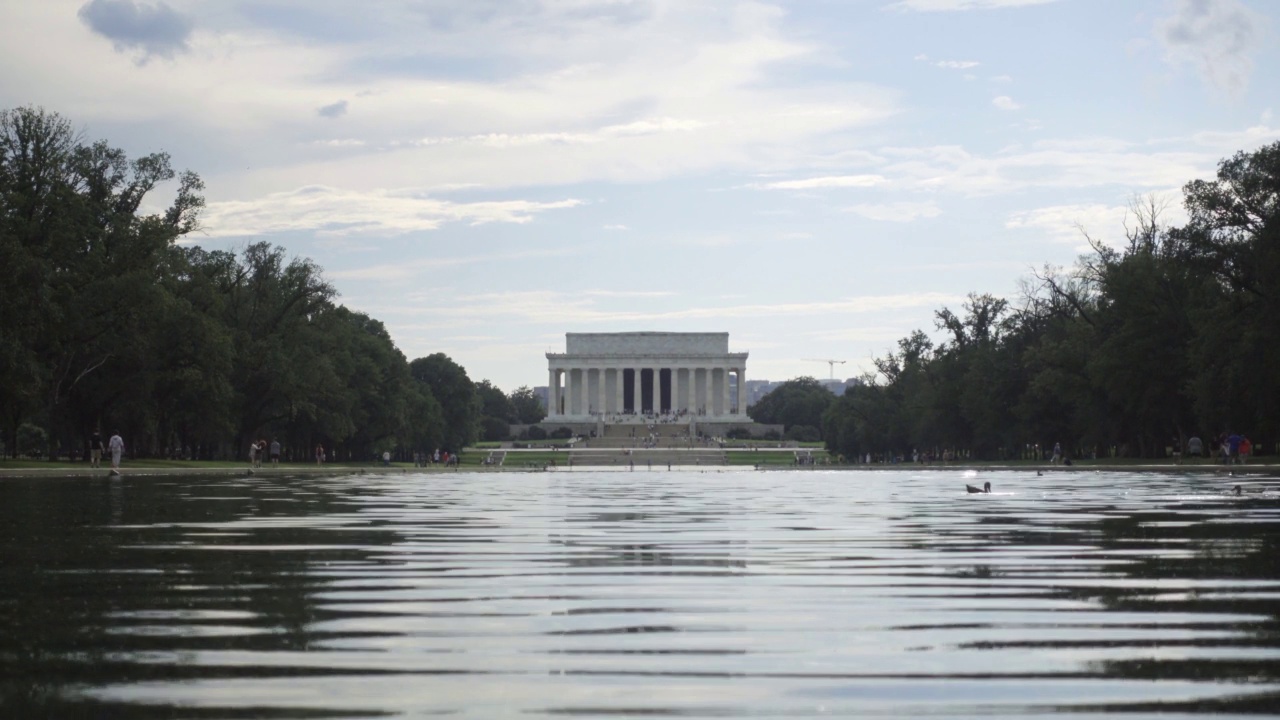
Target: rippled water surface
{"x": 623, "y": 594}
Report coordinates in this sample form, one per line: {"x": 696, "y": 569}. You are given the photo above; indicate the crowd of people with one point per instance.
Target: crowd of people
{"x": 1226, "y": 449}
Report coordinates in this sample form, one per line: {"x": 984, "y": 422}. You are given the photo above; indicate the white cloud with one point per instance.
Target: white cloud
{"x": 421, "y": 267}
{"x": 955, "y": 169}
{"x": 829, "y": 181}
{"x": 547, "y": 307}
{"x": 1068, "y": 224}
{"x": 615, "y": 227}
{"x": 1217, "y": 37}
{"x": 949, "y": 64}
{"x": 896, "y": 211}
{"x": 1004, "y": 102}
{"x": 582, "y": 92}
{"x": 957, "y": 5}
{"x": 328, "y": 210}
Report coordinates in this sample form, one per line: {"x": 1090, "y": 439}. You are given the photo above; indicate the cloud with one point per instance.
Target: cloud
{"x": 585, "y": 93}
{"x": 957, "y": 5}
{"x": 830, "y": 181}
{"x": 408, "y": 270}
{"x": 1068, "y": 224}
{"x": 955, "y": 169}
{"x": 1217, "y": 37}
{"x": 333, "y": 110}
{"x": 949, "y": 64}
{"x": 152, "y": 30}
{"x": 896, "y": 211}
{"x": 333, "y": 211}
{"x": 548, "y": 307}
{"x": 1004, "y": 102}
{"x": 615, "y": 227}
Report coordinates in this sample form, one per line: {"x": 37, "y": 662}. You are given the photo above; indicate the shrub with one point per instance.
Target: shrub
{"x": 562, "y": 433}
{"x": 536, "y": 432}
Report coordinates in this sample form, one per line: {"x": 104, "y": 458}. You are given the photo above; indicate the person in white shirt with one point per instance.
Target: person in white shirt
{"x": 116, "y": 446}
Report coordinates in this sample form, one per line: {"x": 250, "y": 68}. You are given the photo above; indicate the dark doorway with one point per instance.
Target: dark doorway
{"x": 665, "y": 387}
{"x": 628, "y": 391}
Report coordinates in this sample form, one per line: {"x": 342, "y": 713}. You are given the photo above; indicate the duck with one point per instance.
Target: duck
{"x": 986, "y": 488}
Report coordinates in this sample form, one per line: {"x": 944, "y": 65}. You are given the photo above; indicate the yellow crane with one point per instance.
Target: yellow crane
{"x": 830, "y": 363}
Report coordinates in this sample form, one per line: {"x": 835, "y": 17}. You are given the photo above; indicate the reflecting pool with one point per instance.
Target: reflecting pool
{"x": 624, "y": 594}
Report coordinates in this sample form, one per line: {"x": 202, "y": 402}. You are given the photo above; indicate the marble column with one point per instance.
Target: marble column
{"x": 657, "y": 390}
{"x": 635, "y": 395}
{"x": 709, "y": 375}
{"x": 602, "y": 396}
{"x": 553, "y": 406}
{"x": 569, "y": 391}
{"x": 675, "y": 389}
{"x": 617, "y": 390}
{"x": 724, "y": 392}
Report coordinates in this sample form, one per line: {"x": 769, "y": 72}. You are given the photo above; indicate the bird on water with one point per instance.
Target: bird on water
{"x": 986, "y": 488}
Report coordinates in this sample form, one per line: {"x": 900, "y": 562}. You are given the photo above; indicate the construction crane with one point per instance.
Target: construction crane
{"x": 830, "y": 363}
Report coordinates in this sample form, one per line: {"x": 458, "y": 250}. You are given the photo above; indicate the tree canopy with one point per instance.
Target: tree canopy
{"x": 798, "y": 403}
{"x": 1130, "y": 352}
{"x": 110, "y": 324}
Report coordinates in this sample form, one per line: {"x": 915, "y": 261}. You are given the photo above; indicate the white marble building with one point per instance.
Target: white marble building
{"x": 620, "y": 376}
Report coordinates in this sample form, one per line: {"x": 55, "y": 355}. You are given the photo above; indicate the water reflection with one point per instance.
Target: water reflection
{"x": 615, "y": 594}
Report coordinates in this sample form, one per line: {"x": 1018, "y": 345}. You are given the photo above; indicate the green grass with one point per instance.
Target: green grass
{"x": 770, "y": 459}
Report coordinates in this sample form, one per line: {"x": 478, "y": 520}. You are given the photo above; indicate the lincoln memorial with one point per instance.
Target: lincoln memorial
{"x": 620, "y": 377}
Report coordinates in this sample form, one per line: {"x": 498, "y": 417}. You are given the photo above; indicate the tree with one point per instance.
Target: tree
{"x": 796, "y": 402}
{"x": 460, "y": 404}
{"x": 82, "y": 262}
{"x": 497, "y": 412}
{"x": 528, "y": 406}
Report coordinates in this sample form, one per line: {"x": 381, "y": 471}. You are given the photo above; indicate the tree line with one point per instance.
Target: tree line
{"x": 111, "y": 323}
{"x": 1129, "y": 353}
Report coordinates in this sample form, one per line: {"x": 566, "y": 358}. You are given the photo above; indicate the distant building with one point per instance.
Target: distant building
{"x": 640, "y": 374}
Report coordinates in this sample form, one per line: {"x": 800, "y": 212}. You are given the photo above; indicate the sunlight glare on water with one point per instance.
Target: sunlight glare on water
{"x": 616, "y": 594}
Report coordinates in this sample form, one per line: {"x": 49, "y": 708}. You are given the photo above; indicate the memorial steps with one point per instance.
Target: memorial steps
{"x": 647, "y": 457}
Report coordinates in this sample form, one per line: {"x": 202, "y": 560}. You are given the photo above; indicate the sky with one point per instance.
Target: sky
{"x": 815, "y": 178}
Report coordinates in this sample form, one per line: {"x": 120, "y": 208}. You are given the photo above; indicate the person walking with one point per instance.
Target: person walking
{"x": 1195, "y": 446}
{"x": 275, "y": 452}
{"x": 95, "y": 449}
{"x": 116, "y": 445}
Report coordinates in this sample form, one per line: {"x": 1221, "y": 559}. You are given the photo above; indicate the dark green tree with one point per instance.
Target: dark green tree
{"x": 497, "y": 412}
{"x": 793, "y": 403}
{"x": 528, "y": 406}
{"x": 459, "y": 403}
